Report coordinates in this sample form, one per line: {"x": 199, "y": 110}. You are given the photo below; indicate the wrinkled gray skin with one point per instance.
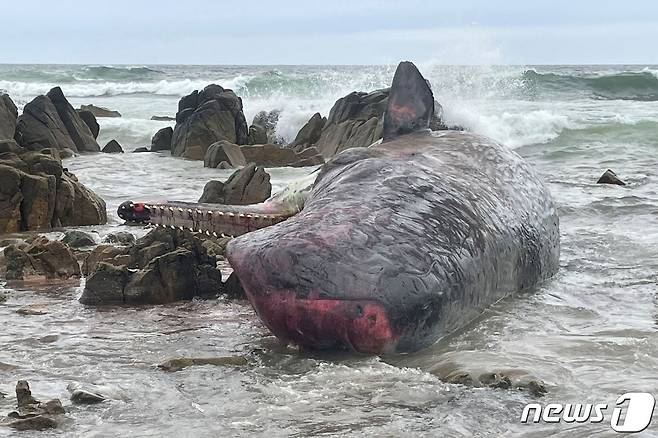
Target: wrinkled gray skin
{"x": 434, "y": 227}
{"x": 395, "y": 245}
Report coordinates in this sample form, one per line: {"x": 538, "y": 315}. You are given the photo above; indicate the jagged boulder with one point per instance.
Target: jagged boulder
{"x": 51, "y": 122}
{"x": 162, "y": 267}
{"x": 249, "y": 185}
{"x": 8, "y": 116}
{"x": 610, "y": 177}
{"x": 224, "y": 151}
{"x": 99, "y": 111}
{"x": 90, "y": 119}
{"x": 112, "y": 147}
{"x": 36, "y": 192}
{"x": 257, "y": 135}
{"x": 206, "y": 117}
{"x": 161, "y": 141}
{"x": 310, "y": 132}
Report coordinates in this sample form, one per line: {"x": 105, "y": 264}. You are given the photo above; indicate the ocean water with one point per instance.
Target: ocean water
{"x": 590, "y": 333}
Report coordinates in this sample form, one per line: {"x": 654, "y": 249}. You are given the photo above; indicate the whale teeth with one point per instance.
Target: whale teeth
{"x": 231, "y": 214}
{"x": 171, "y": 209}
{"x": 223, "y": 235}
{"x": 220, "y": 213}
{"x": 180, "y": 210}
{"x": 198, "y": 211}
{"x": 241, "y": 215}
{"x": 189, "y": 210}
{"x": 172, "y": 227}
{"x": 162, "y": 208}
{"x": 207, "y": 233}
{"x": 214, "y": 234}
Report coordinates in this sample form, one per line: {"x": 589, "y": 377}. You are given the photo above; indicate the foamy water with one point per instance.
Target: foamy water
{"x": 589, "y": 333}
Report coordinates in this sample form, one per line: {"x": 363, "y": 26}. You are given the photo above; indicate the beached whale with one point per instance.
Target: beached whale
{"x": 393, "y": 246}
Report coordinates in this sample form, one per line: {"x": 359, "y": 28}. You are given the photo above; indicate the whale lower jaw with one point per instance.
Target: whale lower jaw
{"x": 318, "y": 323}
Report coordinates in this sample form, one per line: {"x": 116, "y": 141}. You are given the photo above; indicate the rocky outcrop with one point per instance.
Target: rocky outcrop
{"x": 112, "y": 147}
{"x": 10, "y": 145}
{"x": 161, "y": 141}
{"x": 610, "y": 177}
{"x": 77, "y": 129}
{"x": 36, "y": 192}
{"x": 249, "y": 185}
{"x": 162, "y": 267}
{"x": 40, "y": 257}
{"x": 33, "y": 414}
{"x": 8, "y": 116}
{"x": 179, "y": 363}
{"x": 310, "y": 132}
{"x": 355, "y": 120}
{"x": 263, "y": 128}
{"x": 224, "y": 154}
{"x": 90, "y": 120}
{"x": 206, "y": 117}
{"x": 99, "y": 111}
{"x": 51, "y": 122}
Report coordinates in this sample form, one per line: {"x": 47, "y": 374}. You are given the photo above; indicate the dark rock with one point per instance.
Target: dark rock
{"x": 257, "y": 135}
{"x": 206, "y": 117}
{"x": 77, "y": 129}
{"x": 610, "y": 177}
{"x": 267, "y": 121}
{"x": 104, "y": 253}
{"x": 224, "y": 151}
{"x": 121, "y": 238}
{"x": 90, "y": 120}
{"x": 37, "y": 422}
{"x": 24, "y": 394}
{"x": 10, "y": 199}
{"x": 113, "y": 147}
{"x": 41, "y": 257}
{"x": 310, "y": 132}
{"x": 233, "y": 288}
{"x": 41, "y": 127}
{"x": 99, "y": 111}
{"x": 163, "y": 266}
{"x": 78, "y": 239}
{"x": 224, "y": 165}
{"x": 213, "y": 193}
{"x": 163, "y": 118}
{"x": 105, "y": 285}
{"x": 179, "y": 363}
{"x": 8, "y": 116}
{"x": 10, "y": 145}
{"x": 141, "y": 149}
{"x": 162, "y": 140}
{"x": 249, "y": 185}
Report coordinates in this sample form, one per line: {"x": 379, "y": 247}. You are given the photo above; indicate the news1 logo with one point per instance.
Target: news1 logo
{"x": 632, "y": 412}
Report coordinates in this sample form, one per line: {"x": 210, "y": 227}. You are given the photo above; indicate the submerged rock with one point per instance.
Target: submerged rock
{"x": 249, "y": 185}
{"x": 78, "y": 239}
{"x": 163, "y": 118}
{"x": 206, "y": 117}
{"x": 161, "y": 141}
{"x": 83, "y": 397}
{"x": 112, "y": 147}
{"x": 180, "y": 363}
{"x": 141, "y": 149}
{"x": 99, "y": 111}
{"x": 610, "y": 177}
{"x": 120, "y": 238}
{"x": 162, "y": 267}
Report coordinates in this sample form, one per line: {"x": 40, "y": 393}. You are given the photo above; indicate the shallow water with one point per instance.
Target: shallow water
{"x": 590, "y": 333}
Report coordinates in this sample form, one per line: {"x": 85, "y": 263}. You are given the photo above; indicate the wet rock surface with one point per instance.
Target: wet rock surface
{"x": 112, "y": 147}
{"x": 249, "y": 185}
{"x": 78, "y": 239}
{"x": 90, "y": 120}
{"x": 8, "y": 116}
{"x": 266, "y": 155}
{"x": 610, "y": 177}
{"x": 161, "y": 141}
{"x": 162, "y": 267}
{"x": 40, "y": 257}
{"x": 205, "y": 117}
{"x": 310, "y": 132}
{"x": 36, "y": 192}
{"x": 31, "y": 414}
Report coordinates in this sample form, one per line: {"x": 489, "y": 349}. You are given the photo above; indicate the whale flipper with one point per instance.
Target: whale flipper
{"x": 410, "y": 103}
